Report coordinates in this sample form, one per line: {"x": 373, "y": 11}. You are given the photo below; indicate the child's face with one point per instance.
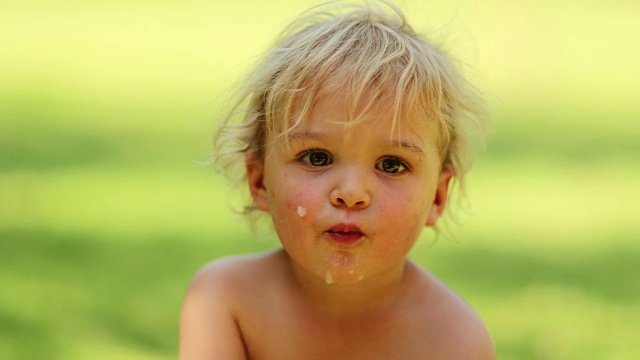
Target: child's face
{"x": 350, "y": 208}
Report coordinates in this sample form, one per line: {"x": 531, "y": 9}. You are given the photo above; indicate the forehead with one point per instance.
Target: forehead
{"x": 374, "y": 110}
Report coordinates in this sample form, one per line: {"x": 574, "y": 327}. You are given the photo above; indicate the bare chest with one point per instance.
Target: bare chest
{"x": 294, "y": 335}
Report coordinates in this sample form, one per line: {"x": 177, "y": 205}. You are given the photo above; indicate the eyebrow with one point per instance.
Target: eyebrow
{"x": 409, "y": 146}
{"x": 400, "y": 144}
{"x": 298, "y": 136}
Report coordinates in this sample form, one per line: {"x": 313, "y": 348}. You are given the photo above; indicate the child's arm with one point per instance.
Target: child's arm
{"x": 208, "y": 329}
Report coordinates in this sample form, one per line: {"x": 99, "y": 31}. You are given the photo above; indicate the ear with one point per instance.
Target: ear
{"x": 255, "y": 178}
{"x": 440, "y": 200}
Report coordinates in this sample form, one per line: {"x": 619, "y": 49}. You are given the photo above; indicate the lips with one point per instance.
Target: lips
{"x": 345, "y": 233}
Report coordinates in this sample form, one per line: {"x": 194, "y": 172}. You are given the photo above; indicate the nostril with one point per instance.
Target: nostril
{"x": 342, "y": 201}
{"x": 358, "y": 199}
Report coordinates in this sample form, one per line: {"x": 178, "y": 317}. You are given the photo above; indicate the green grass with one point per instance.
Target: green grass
{"x": 104, "y": 215}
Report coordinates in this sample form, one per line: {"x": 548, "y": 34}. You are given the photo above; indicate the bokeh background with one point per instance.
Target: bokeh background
{"x": 105, "y": 108}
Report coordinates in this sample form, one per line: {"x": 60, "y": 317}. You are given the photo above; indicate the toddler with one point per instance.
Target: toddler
{"x": 352, "y": 129}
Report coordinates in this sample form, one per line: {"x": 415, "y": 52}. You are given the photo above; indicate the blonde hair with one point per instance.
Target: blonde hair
{"x": 372, "y": 48}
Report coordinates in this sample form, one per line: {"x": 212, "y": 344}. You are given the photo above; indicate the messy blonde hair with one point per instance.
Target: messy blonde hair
{"x": 371, "y": 47}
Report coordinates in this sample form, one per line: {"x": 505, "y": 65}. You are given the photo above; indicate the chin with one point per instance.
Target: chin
{"x": 341, "y": 278}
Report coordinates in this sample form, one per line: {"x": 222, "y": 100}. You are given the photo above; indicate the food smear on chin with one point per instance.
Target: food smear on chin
{"x": 341, "y": 267}
{"x": 327, "y": 278}
{"x": 302, "y": 211}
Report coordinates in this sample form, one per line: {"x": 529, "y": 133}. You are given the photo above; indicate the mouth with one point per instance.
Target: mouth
{"x": 345, "y": 233}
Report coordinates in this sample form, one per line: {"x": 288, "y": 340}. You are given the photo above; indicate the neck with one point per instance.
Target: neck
{"x": 373, "y": 293}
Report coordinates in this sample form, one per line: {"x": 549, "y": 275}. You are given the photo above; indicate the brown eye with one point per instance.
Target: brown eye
{"x": 317, "y": 158}
{"x": 391, "y": 165}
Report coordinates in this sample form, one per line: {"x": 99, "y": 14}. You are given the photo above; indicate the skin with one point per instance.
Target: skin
{"x": 318, "y": 298}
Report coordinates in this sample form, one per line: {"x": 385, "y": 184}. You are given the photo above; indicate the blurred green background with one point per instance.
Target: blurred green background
{"x": 104, "y": 215}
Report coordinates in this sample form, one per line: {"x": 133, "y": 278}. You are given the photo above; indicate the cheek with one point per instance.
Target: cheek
{"x": 404, "y": 215}
{"x": 295, "y": 210}
{"x": 407, "y": 206}
{"x": 295, "y": 198}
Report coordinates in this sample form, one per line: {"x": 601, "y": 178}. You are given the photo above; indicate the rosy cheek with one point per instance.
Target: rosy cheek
{"x": 294, "y": 199}
{"x": 393, "y": 207}
{"x": 302, "y": 196}
{"x": 402, "y": 219}
{"x": 302, "y": 204}
{"x": 297, "y": 204}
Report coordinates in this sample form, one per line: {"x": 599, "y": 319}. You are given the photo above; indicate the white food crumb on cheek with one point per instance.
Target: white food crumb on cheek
{"x": 327, "y": 278}
{"x": 302, "y": 211}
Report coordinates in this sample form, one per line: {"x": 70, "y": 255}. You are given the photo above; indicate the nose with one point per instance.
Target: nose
{"x": 351, "y": 191}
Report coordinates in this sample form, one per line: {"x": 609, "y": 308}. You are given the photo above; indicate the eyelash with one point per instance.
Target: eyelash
{"x": 302, "y": 158}
{"x": 404, "y": 164}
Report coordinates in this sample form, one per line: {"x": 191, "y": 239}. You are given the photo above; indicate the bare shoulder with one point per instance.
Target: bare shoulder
{"x": 209, "y": 320}
{"x": 228, "y": 275}
{"x": 456, "y": 329}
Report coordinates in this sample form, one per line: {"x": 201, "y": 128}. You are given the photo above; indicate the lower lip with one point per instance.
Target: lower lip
{"x": 345, "y": 237}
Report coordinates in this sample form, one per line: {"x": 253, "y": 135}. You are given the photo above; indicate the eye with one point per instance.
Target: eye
{"x": 316, "y": 158}
{"x": 391, "y": 165}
